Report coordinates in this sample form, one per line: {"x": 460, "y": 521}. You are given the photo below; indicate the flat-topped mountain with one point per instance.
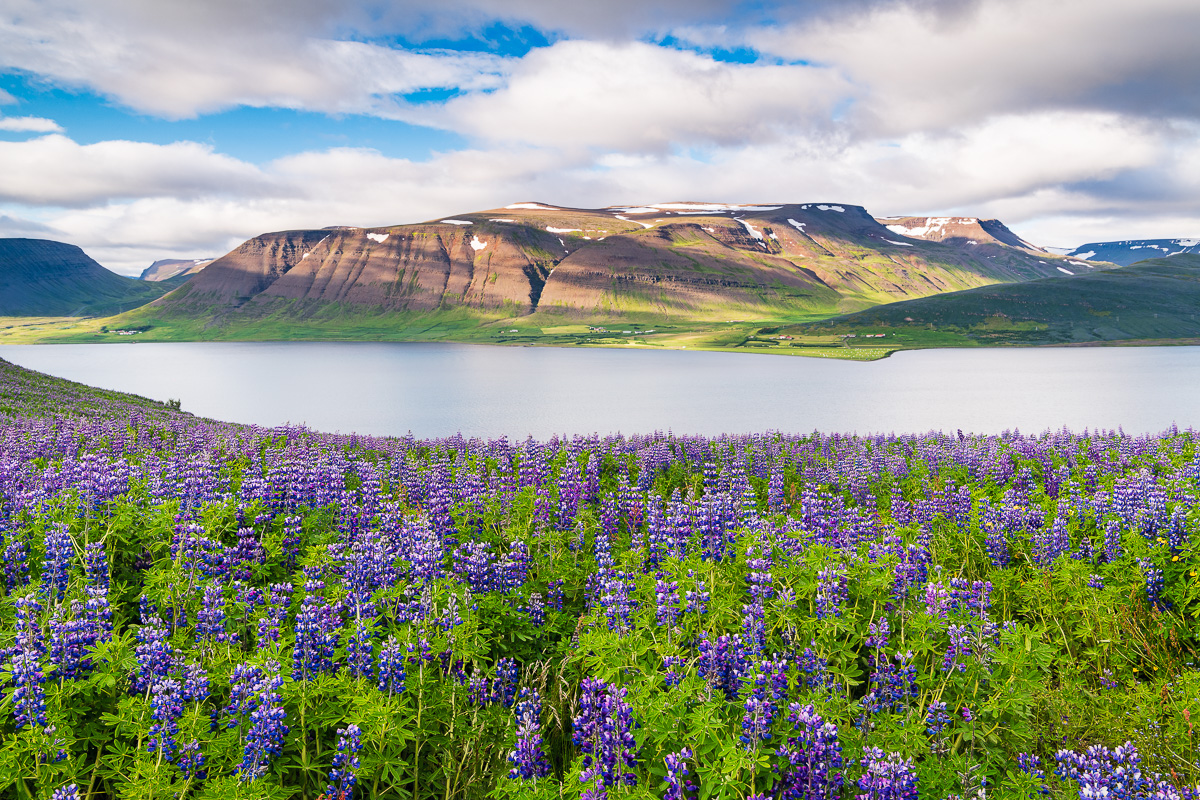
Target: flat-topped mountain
{"x": 1131, "y": 251}
{"x": 682, "y": 259}
{"x": 40, "y": 277}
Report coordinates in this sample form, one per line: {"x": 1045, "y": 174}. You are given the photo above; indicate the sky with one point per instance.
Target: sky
{"x": 149, "y": 129}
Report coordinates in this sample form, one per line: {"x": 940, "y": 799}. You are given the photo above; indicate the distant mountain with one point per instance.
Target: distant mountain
{"x": 167, "y": 268}
{"x": 1131, "y": 251}
{"x": 1152, "y": 299}
{"x": 963, "y": 231}
{"x": 39, "y": 277}
{"x": 674, "y": 260}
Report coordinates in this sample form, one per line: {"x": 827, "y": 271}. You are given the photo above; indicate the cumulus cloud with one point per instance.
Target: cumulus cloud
{"x": 922, "y": 67}
{"x": 55, "y": 170}
{"x": 29, "y": 125}
{"x": 180, "y": 59}
{"x": 637, "y": 97}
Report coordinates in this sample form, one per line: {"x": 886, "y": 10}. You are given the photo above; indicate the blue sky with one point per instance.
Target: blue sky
{"x": 178, "y": 129}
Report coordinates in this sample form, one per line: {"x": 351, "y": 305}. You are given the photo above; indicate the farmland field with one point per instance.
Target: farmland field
{"x": 207, "y": 610}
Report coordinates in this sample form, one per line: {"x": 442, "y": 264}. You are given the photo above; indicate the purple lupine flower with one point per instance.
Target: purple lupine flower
{"x": 56, "y": 571}
{"x": 535, "y": 609}
{"x": 360, "y": 650}
{"x": 29, "y": 699}
{"x": 504, "y": 685}
{"x": 617, "y": 599}
{"x": 603, "y": 732}
{"x": 722, "y": 663}
{"x": 264, "y": 736}
{"x": 767, "y": 685}
{"x": 191, "y": 762}
{"x": 666, "y": 598}
{"x": 1112, "y": 541}
{"x": 391, "y": 667}
{"x": 886, "y": 777}
{"x": 1154, "y": 585}
{"x": 210, "y": 619}
{"x": 893, "y": 683}
{"x": 554, "y": 591}
{"x": 166, "y": 708}
{"x": 1095, "y": 582}
{"x": 678, "y": 785}
{"x": 291, "y": 541}
{"x": 155, "y": 657}
{"x": 696, "y": 600}
{"x": 528, "y": 757}
{"x": 16, "y": 560}
{"x": 813, "y": 669}
{"x": 275, "y": 610}
{"x": 1101, "y": 772}
{"x": 342, "y": 777}
{"x": 936, "y": 720}
{"x": 813, "y": 758}
{"x": 316, "y": 631}
{"x": 960, "y": 649}
{"x": 70, "y": 637}
{"x": 672, "y": 665}
{"x": 68, "y": 792}
{"x": 832, "y": 592}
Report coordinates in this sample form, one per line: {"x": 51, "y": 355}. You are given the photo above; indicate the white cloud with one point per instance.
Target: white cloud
{"x": 55, "y": 170}
{"x": 177, "y": 60}
{"x": 639, "y": 97}
{"x": 921, "y": 68}
{"x": 29, "y": 125}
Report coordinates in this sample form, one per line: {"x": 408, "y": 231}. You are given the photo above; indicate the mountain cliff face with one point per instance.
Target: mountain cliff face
{"x": 1131, "y": 251}
{"x": 39, "y": 277}
{"x": 697, "y": 260}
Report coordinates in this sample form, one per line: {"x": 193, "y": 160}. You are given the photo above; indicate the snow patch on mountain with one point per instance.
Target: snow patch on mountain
{"x": 378, "y": 237}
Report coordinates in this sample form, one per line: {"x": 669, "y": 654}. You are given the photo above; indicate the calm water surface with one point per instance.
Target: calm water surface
{"x": 438, "y": 389}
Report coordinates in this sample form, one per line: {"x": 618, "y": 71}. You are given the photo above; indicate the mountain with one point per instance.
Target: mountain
{"x": 967, "y": 231}
{"x": 167, "y": 268}
{"x": 1131, "y": 251}
{"x": 39, "y": 277}
{"x": 696, "y": 261}
{"x": 1153, "y": 299}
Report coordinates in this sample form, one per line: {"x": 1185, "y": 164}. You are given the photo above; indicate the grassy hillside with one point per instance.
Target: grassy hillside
{"x": 39, "y": 277}
{"x": 1152, "y": 300}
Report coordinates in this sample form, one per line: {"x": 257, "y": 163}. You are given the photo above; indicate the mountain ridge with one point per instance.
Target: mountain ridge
{"x": 679, "y": 260}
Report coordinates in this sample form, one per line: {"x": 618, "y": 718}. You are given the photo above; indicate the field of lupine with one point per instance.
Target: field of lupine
{"x": 198, "y": 609}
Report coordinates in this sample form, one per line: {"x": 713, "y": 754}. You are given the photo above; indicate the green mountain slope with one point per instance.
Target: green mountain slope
{"x": 1150, "y": 300}
{"x": 39, "y": 277}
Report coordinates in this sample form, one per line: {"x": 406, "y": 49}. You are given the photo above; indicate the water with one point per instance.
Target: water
{"x": 438, "y": 389}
